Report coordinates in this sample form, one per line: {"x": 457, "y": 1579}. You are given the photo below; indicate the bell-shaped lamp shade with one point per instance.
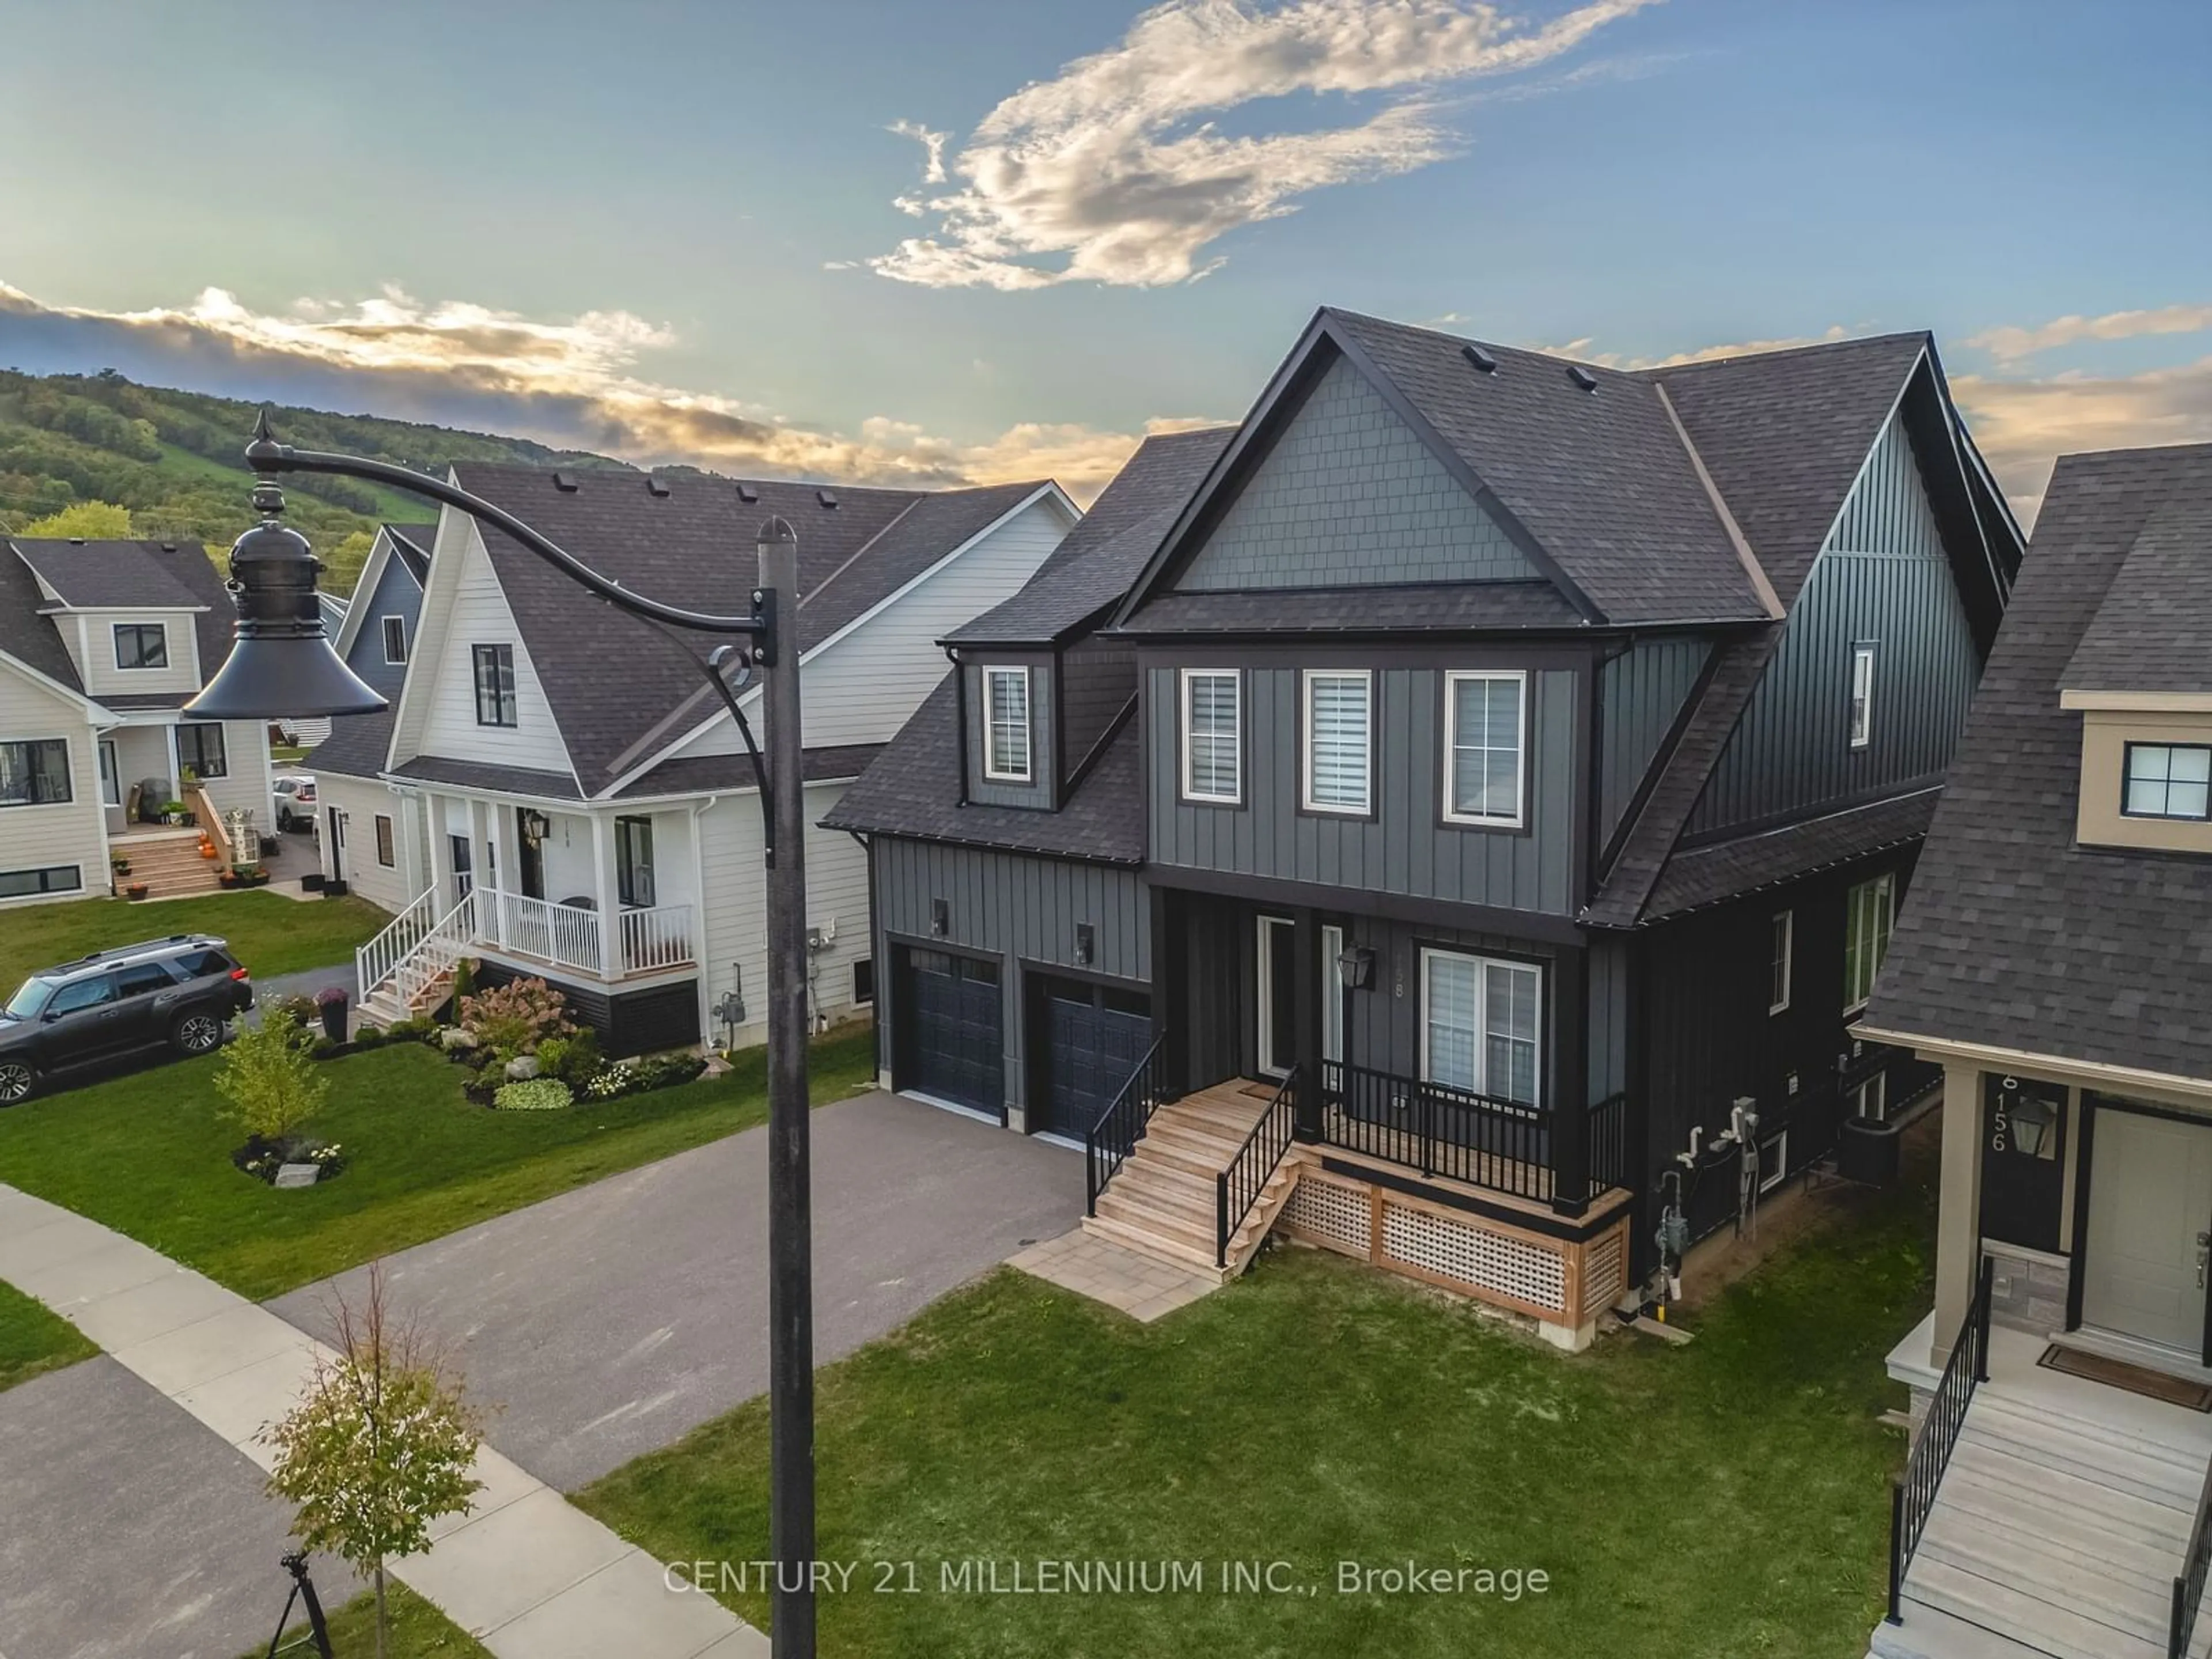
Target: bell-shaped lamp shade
{"x": 283, "y": 664}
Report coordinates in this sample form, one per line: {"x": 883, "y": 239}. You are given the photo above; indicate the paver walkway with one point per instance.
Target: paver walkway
{"x": 1142, "y": 1286}
{"x": 529, "y": 1575}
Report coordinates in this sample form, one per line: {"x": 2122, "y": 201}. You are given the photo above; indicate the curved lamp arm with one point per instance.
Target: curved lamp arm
{"x": 266, "y": 456}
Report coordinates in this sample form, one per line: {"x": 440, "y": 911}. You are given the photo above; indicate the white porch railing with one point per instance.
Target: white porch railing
{"x": 374, "y": 962}
{"x": 648, "y": 940}
{"x": 435, "y": 954}
{"x": 658, "y": 937}
{"x": 560, "y": 933}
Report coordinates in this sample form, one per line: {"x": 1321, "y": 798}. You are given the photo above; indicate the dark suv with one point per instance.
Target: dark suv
{"x": 181, "y": 991}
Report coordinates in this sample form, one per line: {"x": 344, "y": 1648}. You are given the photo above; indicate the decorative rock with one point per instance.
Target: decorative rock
{"x": 458, "y": 1037}
{"x": 522, "y": 1068}
{"x": 297, "y": 1175}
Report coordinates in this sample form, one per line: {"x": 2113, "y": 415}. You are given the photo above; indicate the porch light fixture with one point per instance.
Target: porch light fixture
{"x": 1357, "y": 966}
{"x": 283, "y": 664}
{"x": 536, "y": 826}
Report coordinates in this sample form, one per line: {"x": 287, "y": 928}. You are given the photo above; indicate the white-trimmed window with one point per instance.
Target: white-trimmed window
{"x": 1486, "y": 739}
{"x": 1338, "y": 709}
{"x": 395, "y": 639}
{"x": 1006, "y": 724}
{"x": 1783, "y": 931}
{"x": 2168, "y": 780}
{"x": 1868, "y": 910}
{"x": 1213, "y": 735}
{"x": 1482, "y": 1024}
{"x": 1862, "y": 694}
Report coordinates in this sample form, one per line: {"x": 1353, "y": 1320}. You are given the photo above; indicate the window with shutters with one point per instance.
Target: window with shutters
{"x": 1213, "y": 735}
{"x": 1481, "y": 1024}
{"x": 1485, "y": 735}
{"x": 1339, "y": 709}
{"x": 1007, "y": 706}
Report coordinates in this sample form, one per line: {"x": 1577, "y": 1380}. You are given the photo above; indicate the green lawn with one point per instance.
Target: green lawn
{"x": 147, "y": 1154}
{"x": 1727, "y": 1498}
{"x": 417, "y": 1630}
{"x": 270, "y": 935}
{"x": 32, "y": 1340}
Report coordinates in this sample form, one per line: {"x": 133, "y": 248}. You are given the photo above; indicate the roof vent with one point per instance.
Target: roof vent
{"x": 655, "y": 486}
{"x": 1481, "y": 359}
{"x": 825, "y": 498}
{"x": 747, "y": 494}
{"x": 565, "y": 482}
{"x": 1582, "y": 377}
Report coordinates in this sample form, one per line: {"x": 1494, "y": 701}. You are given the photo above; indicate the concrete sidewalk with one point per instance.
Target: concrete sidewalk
{"x": 524, "y": 1572}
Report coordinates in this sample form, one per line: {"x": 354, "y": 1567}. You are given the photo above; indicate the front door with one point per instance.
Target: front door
{"x": 530, "y": 857}
{"x": 1278, "y": 995}
{"x": 337, "y": 845}
{"x": 2150, "y": 1207}
{"x": 464, "y": 878}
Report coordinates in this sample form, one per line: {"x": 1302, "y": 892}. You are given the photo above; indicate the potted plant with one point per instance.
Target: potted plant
{"x": 331, "y": 1004}
{"x": 119, "y": 865}
{"x": 226, "y": 878}
{"x": 137, "y": 889}
{"x": 173, "y": 811}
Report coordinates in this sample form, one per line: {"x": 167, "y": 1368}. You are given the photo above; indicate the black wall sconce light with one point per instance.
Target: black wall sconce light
{"x": 1087, "y": 942}
{"x": 940, "y": 918}
{"x": 536, "y": 826}
{"x": 1357, "y": 965}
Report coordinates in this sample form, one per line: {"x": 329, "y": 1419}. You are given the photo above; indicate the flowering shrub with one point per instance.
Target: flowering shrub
{"x": 611, "y": 1082}
{"x": 514, "y": 1018}
{"x": 262, "y": 1158}
{"x": 541, "y": 1094}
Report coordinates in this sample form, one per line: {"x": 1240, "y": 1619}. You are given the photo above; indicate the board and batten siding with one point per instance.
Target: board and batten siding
{"x": 1640, "y": 694}
{"x": 480, "y": 615}
{"x": 734, "y": 914}
{"x": 991, "y": 792}
{"x": 1012, "y": 907}
{"x": 1350, "y": 496}
{"x": 395, "y": 595}
{"x": 67, "y": 833}
{"x": 1406, "y": 849}
{"x": 1882, "y": 576}
{"x": 863, "y": 689}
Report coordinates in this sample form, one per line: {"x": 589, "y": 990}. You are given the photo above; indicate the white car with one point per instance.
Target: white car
{"x": 296, "y": 800}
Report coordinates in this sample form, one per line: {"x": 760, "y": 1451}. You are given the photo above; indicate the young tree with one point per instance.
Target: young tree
{"x": 270, "y": 1077}
{"x": 380, "y": 1446}
{"x": 96, "y": 521}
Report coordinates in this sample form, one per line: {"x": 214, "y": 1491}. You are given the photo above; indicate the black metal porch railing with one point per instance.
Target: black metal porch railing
{"x": 1238, "y": 1189}
{"x": 2189, "y": 1588}
{"x": 1108, "y": 1143}
{"x": 1914, "y": 1493}
{"x": 1608, "y": 1144}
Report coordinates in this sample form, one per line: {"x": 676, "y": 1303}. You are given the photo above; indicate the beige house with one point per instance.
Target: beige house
{"x": 2055, "y": 957}
{"x": 102, "y": 645}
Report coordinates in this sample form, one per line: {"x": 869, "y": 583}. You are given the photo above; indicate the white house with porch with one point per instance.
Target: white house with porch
{"x": 557, "y": 792}
{"x": 102, "y": 645}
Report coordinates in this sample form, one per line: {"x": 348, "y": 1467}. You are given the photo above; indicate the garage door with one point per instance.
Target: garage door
{"x": 1091, "y": 1038}
{"x": 953, "y": 1032}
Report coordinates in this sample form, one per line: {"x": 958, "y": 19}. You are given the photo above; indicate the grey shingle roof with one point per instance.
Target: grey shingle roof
{"x": 1783, "y": 434}
{"x": 1718, "y": 870}
{"x": 355, "y": 747}
{"x": 1093, "y": 568}
{"x": 2012, "y": 937}
{"x": 479, "y": 775}
{"x": 693, "y": 773}
{"x": 913, "y": 790}
{"x": 159, "y": 575}
{"x": 612, "y": 680}
{"x": 2154, "y": 631}
{"x": 1599, "y": 478}
{"x": 1410, "y": 608}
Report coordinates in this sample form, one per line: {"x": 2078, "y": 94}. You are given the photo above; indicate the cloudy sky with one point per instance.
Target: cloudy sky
{"x": 983, "y": 239}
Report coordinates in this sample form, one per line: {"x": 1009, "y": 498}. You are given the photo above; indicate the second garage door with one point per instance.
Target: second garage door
{"x": 1088, "y": 1039}
{"x": 952, "y": 1030}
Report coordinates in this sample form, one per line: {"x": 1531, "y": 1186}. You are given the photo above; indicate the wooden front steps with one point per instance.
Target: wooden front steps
{"x": 168, "y": 861}
{"x": 384, "y": 1006}
{"x": 1162, "y": 1202}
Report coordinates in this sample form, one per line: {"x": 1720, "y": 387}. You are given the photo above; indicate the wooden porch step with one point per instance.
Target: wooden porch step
{"x": 2045, "y": 1626}
{"x": 1146, "y": 1243}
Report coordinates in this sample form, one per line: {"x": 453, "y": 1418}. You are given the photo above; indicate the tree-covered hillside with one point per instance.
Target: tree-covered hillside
{"x": 172, "y": 459}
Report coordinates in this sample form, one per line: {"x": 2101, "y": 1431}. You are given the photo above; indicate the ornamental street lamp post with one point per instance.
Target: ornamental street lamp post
{"x": 283, "y": 664}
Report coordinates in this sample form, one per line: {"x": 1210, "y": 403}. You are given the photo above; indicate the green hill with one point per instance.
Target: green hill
{"x": 172, "y": 459}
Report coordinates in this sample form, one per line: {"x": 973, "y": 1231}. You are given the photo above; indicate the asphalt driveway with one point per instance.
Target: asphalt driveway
{"x": 606, "y": 1322}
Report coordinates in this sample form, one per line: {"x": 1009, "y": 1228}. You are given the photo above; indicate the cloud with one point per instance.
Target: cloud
{"x": 1580, "y": 350}
{"x": 1115, "y": 170}
{"x": 932, "y": 171}
{"x": 2023, "y": 425}
{"x": 2010, "y": 342}
{"x": 572, "y": 383}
